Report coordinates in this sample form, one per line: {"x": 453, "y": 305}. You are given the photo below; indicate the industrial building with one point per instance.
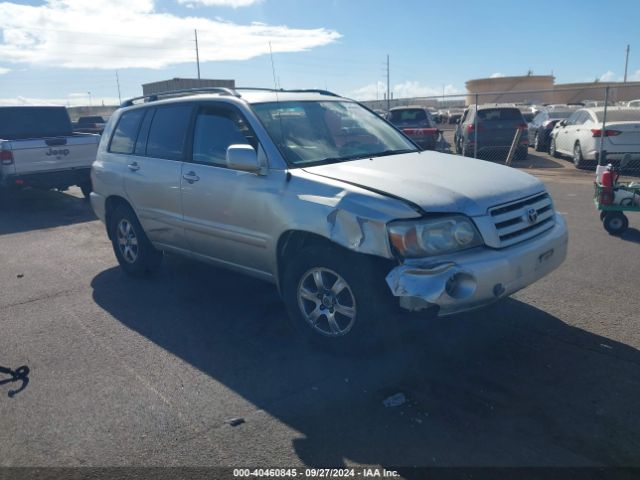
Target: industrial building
{"x": 184, "y": 83}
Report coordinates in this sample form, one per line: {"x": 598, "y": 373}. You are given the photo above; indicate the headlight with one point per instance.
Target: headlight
{"x": 420, "y": 238}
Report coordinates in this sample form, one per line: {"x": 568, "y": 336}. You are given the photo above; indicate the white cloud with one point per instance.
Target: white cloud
{"x": 407, "y": 89}
{"x": 634, "y": 77}
{"x": 110, "y": 34}
{"x": 72, "y": 100}
{"x": 220, "y": 3}
{"x": 4, "y": 71}
{"x": 608, "y": 77}
{"x": 496, "y": 75}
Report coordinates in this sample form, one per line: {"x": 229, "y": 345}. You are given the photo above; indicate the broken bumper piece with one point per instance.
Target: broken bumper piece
{"x": 477, "y": 277}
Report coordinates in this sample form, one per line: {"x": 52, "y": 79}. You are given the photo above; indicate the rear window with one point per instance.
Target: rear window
{"x": 500, "y": 114}
{"x": 409, "y": 115}
{"x": 631, "y": 115}
{"x": 34, "y": 122}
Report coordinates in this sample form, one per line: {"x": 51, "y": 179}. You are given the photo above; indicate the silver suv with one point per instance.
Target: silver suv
{"x": 324, "y": 198}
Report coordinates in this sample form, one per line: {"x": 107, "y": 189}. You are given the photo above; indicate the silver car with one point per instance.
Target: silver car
{"x": 319, "y": 195}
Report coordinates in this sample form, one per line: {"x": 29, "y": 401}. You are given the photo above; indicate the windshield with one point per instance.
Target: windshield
{"x": 309, "y": 133}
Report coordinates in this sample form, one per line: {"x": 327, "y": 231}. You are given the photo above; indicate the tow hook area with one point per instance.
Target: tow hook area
{"x": 425, "y": 286}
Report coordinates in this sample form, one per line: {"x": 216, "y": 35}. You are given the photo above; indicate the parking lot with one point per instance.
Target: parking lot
{"x": 154, "y": 371}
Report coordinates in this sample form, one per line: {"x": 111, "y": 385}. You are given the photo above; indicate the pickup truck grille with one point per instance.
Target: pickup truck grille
{"x": 523, "y": 219}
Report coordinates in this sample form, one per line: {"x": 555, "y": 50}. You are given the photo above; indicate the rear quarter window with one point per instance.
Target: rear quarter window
{"x": 126, "y": 132}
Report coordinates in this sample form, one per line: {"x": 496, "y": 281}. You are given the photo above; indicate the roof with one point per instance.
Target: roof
{"x": 250, "y": 95}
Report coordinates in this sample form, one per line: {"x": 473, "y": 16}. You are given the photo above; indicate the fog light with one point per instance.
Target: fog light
{"x": 461, "y": 286}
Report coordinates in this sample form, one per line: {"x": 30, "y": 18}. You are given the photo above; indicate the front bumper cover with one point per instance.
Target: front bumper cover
{"x": 477, "y": 277}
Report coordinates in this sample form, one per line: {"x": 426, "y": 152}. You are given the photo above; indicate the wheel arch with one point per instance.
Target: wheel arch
{"x": 111, "y": 203}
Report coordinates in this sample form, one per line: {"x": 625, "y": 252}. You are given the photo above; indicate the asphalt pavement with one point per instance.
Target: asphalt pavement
{"x": 197, "y": 366}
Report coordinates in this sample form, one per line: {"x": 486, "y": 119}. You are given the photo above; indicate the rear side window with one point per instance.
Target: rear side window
{"x": 34, "y": 122}
{"x": 500, "y": 114}
{"x": 168, "y": 132}
{"x": 124, "y": 137}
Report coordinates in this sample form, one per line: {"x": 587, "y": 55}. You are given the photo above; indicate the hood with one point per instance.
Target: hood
{"x": 436, "y": 182}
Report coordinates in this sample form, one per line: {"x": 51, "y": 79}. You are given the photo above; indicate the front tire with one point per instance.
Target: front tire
{"x": 135, "y": 253}
{"x": 335, "y": 298}
{"x": 537, "y": 144}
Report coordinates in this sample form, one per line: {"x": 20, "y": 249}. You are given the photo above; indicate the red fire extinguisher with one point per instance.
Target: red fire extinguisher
{"x": 606, "y": 192}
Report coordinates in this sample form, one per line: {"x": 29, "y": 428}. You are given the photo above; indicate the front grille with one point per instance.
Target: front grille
{"x": 523, "y": 219}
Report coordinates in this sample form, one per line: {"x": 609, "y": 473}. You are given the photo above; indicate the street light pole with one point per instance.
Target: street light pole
{"x": 626, "y": 64}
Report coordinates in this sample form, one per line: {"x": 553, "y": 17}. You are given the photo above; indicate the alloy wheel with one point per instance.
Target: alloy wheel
{"x": 326, "y": 302}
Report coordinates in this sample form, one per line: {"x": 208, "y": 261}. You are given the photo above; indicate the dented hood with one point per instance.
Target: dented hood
{"x": 436, "y": 182}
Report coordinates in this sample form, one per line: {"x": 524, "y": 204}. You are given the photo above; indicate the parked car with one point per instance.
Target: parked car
{"x": 417, "y": 124}
{"x": 633, "y": 103}
{"x": 349, "y": 222}
{"x": 497, "y": 125}
{"x": 39, "y": 149}
{"x": 580, "y": 135}
{"x": 91, "y": 124}
{"x": 453, "y": 116}
{"x": 541, "y": 126}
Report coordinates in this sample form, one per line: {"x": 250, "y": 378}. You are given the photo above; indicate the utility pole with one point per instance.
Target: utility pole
{"x": 626, "y": 64}
{"x": 388, "y": 90}
{"x": 118, "y": 83}
{"x": 197, "y": 53}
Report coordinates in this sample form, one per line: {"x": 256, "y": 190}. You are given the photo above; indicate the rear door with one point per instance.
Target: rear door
{"x": 153, "y": 141}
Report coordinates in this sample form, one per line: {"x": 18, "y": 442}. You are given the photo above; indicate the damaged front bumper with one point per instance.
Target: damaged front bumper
{"x": 477, "y": 277}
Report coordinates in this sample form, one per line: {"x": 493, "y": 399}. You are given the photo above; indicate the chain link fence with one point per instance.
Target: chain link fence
{"x": 586, "y": 125}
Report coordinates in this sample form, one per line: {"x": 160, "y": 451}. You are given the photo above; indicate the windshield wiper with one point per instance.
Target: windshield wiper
{"x": 392, "y": 152}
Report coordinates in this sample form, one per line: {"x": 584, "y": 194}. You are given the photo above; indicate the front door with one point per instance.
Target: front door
{"x": 227, "y": 214}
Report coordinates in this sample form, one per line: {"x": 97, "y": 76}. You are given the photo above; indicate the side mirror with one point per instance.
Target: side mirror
{"x": 243, "y": 157}
{"x": 562, "y": 123}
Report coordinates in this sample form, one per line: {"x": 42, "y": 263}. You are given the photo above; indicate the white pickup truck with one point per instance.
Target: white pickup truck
{"x": 39, "y": 149}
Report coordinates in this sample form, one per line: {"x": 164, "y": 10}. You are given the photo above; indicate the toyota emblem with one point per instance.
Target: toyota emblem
{"x": 532, "y": 215}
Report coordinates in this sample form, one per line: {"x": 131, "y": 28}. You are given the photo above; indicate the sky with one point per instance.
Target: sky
{"x": 76, "y": 52}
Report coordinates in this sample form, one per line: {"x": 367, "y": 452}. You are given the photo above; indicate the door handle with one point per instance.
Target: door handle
{"x": 191, "y": 177}
{"x": 133, "y": 166}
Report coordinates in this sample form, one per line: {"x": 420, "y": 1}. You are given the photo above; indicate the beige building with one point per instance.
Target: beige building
{"x": 184, "y": 83}
{"x": 541, "y": 89}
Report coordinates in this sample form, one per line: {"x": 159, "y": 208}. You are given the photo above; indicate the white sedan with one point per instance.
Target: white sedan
{"x": 579, "y": 136}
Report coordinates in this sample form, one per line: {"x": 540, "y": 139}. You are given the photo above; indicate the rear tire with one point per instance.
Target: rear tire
{"x": 615, "y": 223}
{"x": 578, "y": 161}
{"x": 86, "y": 189}
{"x": 135, "y": 253}
{"x": 337, "y": 299}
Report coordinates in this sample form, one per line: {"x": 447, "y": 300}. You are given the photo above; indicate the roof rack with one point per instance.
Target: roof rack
{"x": 176, "y": 93}
{"x": 278, "y": 90}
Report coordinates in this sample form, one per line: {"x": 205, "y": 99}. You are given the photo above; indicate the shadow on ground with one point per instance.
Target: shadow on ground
{"x": 509, "y": 386}
{"x": 32, "y": 209}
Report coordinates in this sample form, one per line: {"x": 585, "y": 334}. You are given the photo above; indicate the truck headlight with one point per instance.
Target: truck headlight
{"x": 420, "y": 238}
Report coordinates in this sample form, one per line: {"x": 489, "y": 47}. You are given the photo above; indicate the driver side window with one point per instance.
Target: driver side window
{"x": 214, "y": 131}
